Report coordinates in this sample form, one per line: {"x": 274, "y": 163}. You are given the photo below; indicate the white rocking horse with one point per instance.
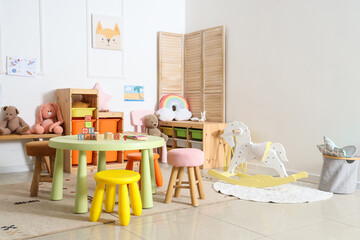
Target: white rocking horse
{"x": 270, "y": 154}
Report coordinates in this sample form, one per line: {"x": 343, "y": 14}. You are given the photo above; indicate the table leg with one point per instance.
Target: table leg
{"x": 81, "y": 204}
{"x": 152, "y": 171}
{"x": 146, "y": 189}
{"x": 102, "y": 161}
{"x": 57, "y": 184}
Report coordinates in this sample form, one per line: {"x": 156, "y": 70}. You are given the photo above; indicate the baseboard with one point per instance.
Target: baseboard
{"x": 17, "y": 168}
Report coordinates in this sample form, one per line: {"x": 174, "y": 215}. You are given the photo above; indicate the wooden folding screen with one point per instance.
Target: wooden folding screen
{"x": 170, "y": 64}
{"x": 194, "y": 86}
{"x": 203, "y": 70}
{"x": 214, "y": 73}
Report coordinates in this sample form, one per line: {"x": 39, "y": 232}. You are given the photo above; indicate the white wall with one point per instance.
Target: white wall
{"x": 292, "y": 70}
{"x": 57, "y": 33}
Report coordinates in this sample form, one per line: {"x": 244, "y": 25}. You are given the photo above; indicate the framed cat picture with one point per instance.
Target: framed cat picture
{"x": 107, "y": 32}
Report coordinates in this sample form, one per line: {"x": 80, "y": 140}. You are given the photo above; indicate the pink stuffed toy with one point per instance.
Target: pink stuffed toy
{"x": 48, "y": 119}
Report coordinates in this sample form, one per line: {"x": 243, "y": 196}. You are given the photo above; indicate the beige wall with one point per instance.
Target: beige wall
{"x": 292, "y": 70}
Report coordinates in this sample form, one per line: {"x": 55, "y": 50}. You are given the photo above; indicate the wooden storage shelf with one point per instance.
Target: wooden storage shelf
{"x": 65, "y": 98}
{"x": 212, "y": 144}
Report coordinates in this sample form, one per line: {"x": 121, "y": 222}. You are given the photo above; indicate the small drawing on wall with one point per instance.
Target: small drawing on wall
{"x": 107, "y": 32}
{"x": 20, "y": 66}
{"x": 134, "y": 93}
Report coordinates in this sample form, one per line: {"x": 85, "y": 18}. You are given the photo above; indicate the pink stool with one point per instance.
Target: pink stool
{"x": 191, "y": 158}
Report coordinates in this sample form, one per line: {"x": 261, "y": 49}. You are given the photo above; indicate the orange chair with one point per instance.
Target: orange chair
{"x": 137, "y": 157}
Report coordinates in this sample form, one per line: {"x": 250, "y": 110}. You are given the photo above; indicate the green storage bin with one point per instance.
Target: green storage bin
{"x": 167, "y": 130}
{"x": 180, "y": 132}
{"x": 196, "y": 133}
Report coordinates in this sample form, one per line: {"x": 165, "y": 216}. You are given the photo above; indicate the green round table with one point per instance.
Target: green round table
{"x": 72, "y": 143}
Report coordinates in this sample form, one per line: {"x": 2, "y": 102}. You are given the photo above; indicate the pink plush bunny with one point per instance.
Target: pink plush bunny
{"x": 48, "y": 119}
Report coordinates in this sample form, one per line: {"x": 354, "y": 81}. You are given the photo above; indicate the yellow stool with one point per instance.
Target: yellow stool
{"x": 112, "y": 178}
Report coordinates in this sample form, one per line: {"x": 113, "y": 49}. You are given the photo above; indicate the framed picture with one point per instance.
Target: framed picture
{"x": 134, "y": 93}
{"x": 20, "y": 66}
{"x": 107, "y": 32}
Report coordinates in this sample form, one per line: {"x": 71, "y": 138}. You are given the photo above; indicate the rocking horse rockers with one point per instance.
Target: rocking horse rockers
{"x": 270, "y": 154}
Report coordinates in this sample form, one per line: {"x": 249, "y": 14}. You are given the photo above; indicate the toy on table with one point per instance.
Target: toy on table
{"x": 270, "y": 154}
{"x": 151, "y": 123}
{"x": 117, "y": 136}
{"x": 135, "y": 137}
{"x": 48, "y": 119}
{"x": 108, "y": 136}
{"x": 88, "y": 131}
{"x": 12, "y": 123}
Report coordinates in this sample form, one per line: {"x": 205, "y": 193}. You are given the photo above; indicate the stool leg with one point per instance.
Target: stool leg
{"x": 124, "y": 206}
{"x": 200, "y": 183}
{"x": 192, "y": 183}
{"x": 110, "y": 197}
{"x": 36, "y": 178}
{"x": 179, "y": 182}
{"x": 47, "y": 164}
{"x": 97, "y": 202}
{"x": 129, "y": 164}
{"x": 52, "y": 163}
{"x": 158, "y": 175}
{"x": 170, "y": 189}
{"x": 135, "y": 199}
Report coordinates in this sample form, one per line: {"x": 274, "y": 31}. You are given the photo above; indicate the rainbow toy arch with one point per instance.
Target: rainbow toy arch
{"x": 170, "y": 100}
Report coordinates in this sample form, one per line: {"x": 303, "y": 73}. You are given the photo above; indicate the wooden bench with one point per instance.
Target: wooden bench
{"x": 34, "y": 137}
{"x": 27, "y": 136}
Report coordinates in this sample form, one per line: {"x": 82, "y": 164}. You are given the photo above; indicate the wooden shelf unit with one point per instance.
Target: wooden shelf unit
{"x": 212, "y": 144}
{"x": 65, "y": 98}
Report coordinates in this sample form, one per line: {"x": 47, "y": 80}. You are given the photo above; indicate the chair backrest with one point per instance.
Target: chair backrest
{"x": 137, "y": 119}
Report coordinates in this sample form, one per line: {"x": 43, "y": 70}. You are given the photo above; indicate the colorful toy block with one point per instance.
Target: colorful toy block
{"x": 91, "y": 130}
{"x": 108, "y": 136}
{"x": 88, "y": 124}
{"x": 84, "y": 130}
{"x": 116, "y": 136}
{"x": 81, "y": 136}
{"x": 99, "y": 137}
{"x": 87, "y": 118}
{"x": 87, "y": 137}
{"x": 92, "y": 137}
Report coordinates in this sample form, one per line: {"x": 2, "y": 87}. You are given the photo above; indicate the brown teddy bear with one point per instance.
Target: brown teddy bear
{"x": 13, "y": 123}
{"x": 151, "y": 123}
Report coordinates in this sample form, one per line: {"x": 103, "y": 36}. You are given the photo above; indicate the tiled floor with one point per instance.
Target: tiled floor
{"x": 337, "y": 218}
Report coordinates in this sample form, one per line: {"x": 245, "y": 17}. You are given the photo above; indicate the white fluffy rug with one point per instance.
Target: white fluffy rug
{"x": 287, "y": 193}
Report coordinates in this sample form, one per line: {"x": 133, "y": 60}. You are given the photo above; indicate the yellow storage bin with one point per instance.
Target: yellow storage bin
{"x": 82, "y": 112}
{"x": 167, "y": 130}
